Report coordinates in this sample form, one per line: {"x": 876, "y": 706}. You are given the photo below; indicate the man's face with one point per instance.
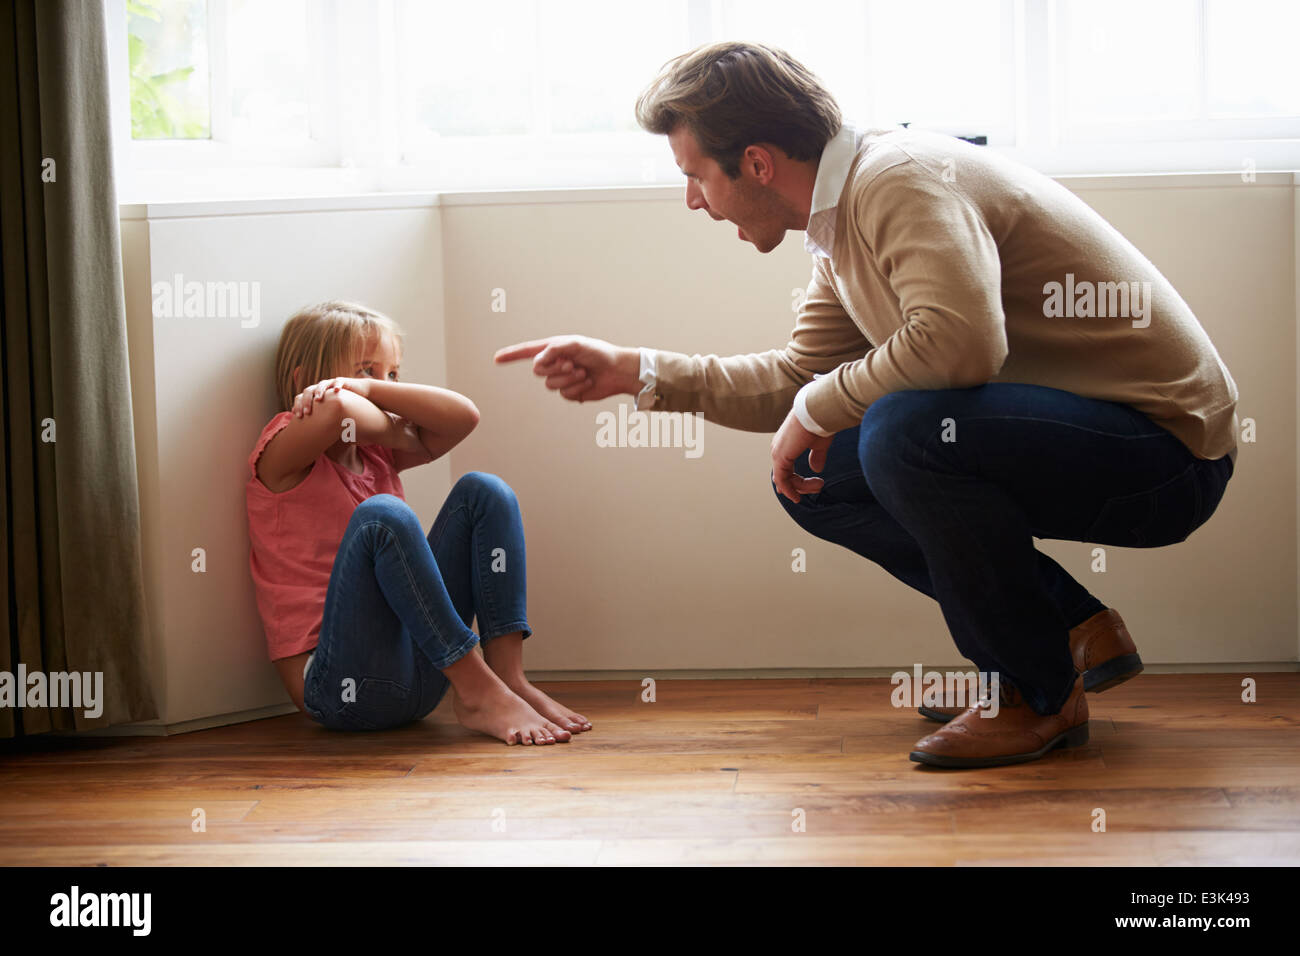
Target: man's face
{"x": 759, "y": 212}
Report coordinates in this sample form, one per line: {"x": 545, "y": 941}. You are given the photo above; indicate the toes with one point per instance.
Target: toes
{"x": 560, "y": 732}
{"x": 542, "y": 735}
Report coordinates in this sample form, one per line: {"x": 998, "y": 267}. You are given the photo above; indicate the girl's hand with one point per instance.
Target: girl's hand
{"x": 308, "y": 397}
{"x": 359, "y": 385}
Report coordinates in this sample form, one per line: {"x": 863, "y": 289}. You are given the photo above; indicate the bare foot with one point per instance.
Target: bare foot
{"x": 548, "y": 707}
{"x": 501, "y": 713}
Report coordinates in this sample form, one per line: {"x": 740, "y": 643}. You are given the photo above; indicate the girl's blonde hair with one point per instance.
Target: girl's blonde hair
{"x": 322, "y": 339}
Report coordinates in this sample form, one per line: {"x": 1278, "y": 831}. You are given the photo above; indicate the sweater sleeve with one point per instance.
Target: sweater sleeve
{"x": 942, "y": 264}
{"x": 755, "y": 392}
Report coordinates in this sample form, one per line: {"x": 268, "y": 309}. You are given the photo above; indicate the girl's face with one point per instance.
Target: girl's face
{"x": 378, "y": 359}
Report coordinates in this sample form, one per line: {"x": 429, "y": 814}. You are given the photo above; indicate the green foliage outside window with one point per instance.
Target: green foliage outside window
{"x": 165, "y": 103}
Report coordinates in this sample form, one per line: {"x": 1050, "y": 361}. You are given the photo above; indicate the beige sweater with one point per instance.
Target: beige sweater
{"x": 954, "y": 267}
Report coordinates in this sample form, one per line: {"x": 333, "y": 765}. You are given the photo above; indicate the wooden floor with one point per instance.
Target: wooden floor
{"x": 711, "y": 773}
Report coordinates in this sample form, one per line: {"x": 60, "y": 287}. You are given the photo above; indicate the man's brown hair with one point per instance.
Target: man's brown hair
{"x": 732, "y": 95}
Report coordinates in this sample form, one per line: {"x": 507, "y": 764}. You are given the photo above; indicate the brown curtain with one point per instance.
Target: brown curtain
{"x": 71, "y": 570}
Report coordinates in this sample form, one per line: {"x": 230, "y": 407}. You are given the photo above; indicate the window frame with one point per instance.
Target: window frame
{"x": 359, "y": 142}
{"x": 218, "y": 150}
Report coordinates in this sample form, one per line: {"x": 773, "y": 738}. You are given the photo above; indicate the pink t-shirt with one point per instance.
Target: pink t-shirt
{"x": 295, "y": 534}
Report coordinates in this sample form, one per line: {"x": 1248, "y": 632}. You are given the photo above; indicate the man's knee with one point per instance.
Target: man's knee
{"x": 898, "y": 424}
{"x": 903, "y": 414}
{"x": 801, "y": 511}
{"x": 785, "y": 502}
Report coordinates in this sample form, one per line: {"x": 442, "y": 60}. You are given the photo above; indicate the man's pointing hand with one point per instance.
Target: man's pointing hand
{"x": 581, "y": 369}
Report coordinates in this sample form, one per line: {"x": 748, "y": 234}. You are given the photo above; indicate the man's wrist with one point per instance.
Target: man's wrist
{"x": 647, "y": 377}
{"x": 804, "y": 416}
{"x": 630, "y": 370}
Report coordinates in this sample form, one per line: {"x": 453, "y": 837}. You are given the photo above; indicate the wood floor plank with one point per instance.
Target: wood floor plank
{"x": 434, "y": 826}
{"x": 392, "y": 853}
{"x": 712, "y": 773}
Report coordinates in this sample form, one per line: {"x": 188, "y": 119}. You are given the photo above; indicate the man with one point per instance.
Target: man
{"x": 980, "y": 360}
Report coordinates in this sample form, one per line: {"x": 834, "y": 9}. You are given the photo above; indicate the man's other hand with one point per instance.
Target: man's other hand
{"x": 791, "y": 441}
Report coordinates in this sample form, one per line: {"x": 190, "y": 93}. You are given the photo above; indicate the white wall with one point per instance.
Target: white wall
{"x": 643, "y": 560}
{"x": 1222, "y": 595}
{"x": 210, "y": 393}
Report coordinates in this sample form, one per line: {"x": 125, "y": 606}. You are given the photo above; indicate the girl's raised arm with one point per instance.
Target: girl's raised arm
{"x": 442, "y": 418}
{"x": 288, "y": 456}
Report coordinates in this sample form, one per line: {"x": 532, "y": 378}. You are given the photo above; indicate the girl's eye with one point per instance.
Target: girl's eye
{"x": 367, "y": 371}
{"x": 392, "y": 376}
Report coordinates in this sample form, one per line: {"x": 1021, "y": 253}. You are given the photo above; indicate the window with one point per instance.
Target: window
{"x": 217, "y": 97}
{"x": 1179, "y": 69}
{"x": 169, "y": 70}
{"x": 546, "y": 90}
{"x": 228, "y": 82}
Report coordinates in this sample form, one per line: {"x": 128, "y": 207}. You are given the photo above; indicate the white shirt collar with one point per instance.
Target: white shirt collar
{"x": 832, "y": 173}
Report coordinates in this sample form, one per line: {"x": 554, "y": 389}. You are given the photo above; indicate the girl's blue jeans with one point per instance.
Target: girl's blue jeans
{"x": 947, "y": 489}
{"x": 400, "y": 603}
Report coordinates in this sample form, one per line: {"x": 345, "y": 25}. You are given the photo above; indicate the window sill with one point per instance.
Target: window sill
{"x": 325, "y": 202}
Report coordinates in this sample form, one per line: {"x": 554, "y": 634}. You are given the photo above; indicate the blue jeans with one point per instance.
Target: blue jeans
{"x": 946, "y": 490}
{"x": 399, "y": 604}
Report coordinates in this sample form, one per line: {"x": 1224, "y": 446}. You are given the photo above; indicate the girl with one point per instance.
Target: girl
{"x": 366, "y": 617}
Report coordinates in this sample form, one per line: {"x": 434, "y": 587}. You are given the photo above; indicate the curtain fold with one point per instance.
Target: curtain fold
{"x": 72, "y": 572}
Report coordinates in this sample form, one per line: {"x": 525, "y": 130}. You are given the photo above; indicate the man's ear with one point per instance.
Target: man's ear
{"x": 759, "y": 157}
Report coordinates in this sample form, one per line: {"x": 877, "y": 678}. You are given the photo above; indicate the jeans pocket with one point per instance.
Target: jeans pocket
{"x": 379, "y": 704}
{"x": 1151, "y": 519}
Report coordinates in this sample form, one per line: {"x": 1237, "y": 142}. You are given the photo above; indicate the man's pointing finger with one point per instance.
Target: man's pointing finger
{"x": 523, "y": 350}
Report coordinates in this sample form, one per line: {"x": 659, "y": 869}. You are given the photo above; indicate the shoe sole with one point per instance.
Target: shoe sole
{"x": 1074, "y": 737}
{"x": 1100, "y": 678}
{"x": 935, "y": 715}
{"x": 1112, "y": 673}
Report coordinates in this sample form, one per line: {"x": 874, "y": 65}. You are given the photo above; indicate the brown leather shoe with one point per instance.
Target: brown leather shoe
{"x": 1103, "y": 651}
{"x": 1016, "y": 735}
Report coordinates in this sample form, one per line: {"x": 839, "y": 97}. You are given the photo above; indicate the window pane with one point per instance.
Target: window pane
{"x": 1129, "y": 61}
{"x": 940, "y": 63}
{"x": 1251, "y": 58}
{"x": 597, "y": 66}
{"x": 168, "y": 47}
{"x": 829, "y": 37}
{"x": 269, "y": 71}
{"x": 930, "y": 62}
{"x": 468, "y": 68}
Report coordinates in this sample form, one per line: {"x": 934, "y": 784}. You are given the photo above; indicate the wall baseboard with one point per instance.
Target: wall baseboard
{"x": 158, "y": 729}
{"x": 787, "y": 673}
